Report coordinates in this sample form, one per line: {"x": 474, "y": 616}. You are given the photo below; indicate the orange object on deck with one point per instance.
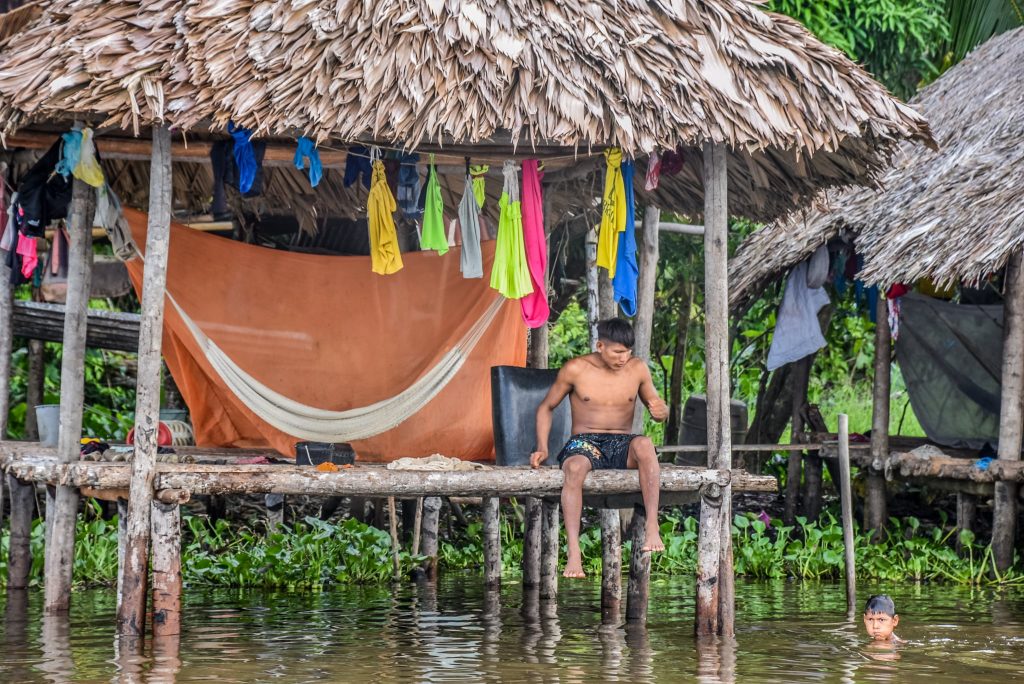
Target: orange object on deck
{"x": 327, "y": 333}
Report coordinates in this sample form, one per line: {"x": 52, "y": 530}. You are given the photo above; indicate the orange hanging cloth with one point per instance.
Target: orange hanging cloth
{"x": 326, "y": 334}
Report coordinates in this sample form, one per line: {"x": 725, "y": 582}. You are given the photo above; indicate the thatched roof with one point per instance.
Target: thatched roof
{"x": 535, "y": 74}
{"x": 951, "y": 215}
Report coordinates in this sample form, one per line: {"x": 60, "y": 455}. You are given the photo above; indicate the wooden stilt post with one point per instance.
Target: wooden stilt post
{"x": 429, "y": 534}
{"x": 6, "y": 342}
{"x": 801, "y": 378}
{"x": 395, "y": 544}
{"x": 532, "y": 543}
{"x": 639, "y": 569}
{"x": 122, "y": 537}
{"x": 549, "y": 550}
{"x": 492, "y": 542}
{"x": 19, "y": 553}
{"x": 131, "y": 614}
{"x": 34, "y": 387}
{"x": 60, "y": 545}
{"x": 593, "y": 299}
{"x": 875, "y": 513}
{"x": 709, "y": 547}
{"x": 1004, "y": 513}
{"x": 166, "y": 523}
{"x": 611, "y": 566}
{"x": 716, "y": 345}
{"x": 847, "y": 513}
{"x": 966, "y": 511}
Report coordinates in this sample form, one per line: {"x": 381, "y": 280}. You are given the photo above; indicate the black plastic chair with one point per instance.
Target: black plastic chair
{"x": 515, "y": 395}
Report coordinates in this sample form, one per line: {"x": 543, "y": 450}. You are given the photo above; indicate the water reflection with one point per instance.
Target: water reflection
{"x": 455, "y": 632}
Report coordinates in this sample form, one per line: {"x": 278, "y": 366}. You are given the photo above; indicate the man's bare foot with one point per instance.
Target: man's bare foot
{"x": 574, "y": 568}
{"x": 653, "y": 541}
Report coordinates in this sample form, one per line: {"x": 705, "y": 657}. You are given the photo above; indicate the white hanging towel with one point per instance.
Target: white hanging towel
{"x": 797, "y": 331}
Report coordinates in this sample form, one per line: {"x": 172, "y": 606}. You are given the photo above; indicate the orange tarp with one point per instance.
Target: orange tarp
{"x": 327, "y": 332}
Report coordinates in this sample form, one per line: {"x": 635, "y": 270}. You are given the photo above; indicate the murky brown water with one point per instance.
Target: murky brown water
{"x": 787, "y": 632}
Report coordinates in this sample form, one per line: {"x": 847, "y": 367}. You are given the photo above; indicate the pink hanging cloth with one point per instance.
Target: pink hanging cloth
{"x": 27, "y": 248}
{"x": 534, "y": 305}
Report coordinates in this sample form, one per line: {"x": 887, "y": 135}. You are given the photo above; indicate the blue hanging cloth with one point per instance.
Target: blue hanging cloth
{"x": 357, "y": 166}
{"x": 245, "y": 157}
{"x": 408, "y": 196}
{"x": 70, "y": 152}
{"x": 626, "y": 269}
{"x": 306, "y": 149}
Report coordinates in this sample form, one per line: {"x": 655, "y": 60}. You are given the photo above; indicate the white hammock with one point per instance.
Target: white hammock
{"x": 315, "y": 424}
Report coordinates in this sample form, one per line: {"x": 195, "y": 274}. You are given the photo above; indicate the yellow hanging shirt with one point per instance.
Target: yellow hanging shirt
{"x": 380, "y": 206}
{"x": 613, "y": 212}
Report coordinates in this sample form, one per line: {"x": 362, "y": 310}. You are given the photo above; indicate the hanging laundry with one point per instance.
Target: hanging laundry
{"x": 797, "y": 331}
{"x": 653, "y": 172}
{"x": 384, "y": 252}
{"x": 245, "y": 156}
{"x": 613, "y": 212}
{"x": 9, "y": 238}
{"x": 69, "y": 152}
{"x": 672, "y": 162}
{"x": 43, "y": 196}
{"x": 88, "y": 168}
{"x": 894, "y": 318}
{"x": 510, "y": 274}
{"x": 471, "y": 261}
{"x": 534, "y": 305}
{"x": 306, "y": 149}
{"x": 479, "y": 173}
{"x": 626, "y": 269}
{"x": 409, "y": 186}
{"x": 27, "y": 250}
{"x": 817, "y": 269}
{"x": 357, "y": 165}
{"x": 433, "y": 215}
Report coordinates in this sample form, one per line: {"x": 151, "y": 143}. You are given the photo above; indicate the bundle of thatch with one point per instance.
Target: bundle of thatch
{"x": 544, "y": 75}
{"x": 954, "y": 214}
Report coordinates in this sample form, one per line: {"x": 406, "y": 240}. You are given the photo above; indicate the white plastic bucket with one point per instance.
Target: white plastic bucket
{"x": 48, "y": 420}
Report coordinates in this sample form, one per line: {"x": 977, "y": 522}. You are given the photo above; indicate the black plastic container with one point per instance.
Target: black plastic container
{"x": 315, "y": 453}
{"x": 515, "y": 395}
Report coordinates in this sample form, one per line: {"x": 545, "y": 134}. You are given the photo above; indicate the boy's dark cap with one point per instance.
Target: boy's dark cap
{"x": 880, "y": 603}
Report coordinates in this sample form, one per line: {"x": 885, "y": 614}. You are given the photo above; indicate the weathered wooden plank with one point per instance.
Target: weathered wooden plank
{"x": 104, "y": 329}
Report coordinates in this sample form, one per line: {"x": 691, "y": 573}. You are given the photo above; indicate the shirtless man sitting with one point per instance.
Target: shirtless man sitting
{"x": 602, "y": 388}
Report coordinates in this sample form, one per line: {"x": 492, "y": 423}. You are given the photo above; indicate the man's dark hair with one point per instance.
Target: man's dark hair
{"x": 617, "y": 331}
{"x": 880, "y": 603}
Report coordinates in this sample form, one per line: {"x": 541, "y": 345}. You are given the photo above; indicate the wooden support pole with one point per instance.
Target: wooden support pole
{"x": 275, "y": 512}
{"x": 611, "y": 566}
{"x": 122, "y": 537}
{"x": 538, "y": 354}
{"x": 709, "y": 547}
{"x": 60, "y": 545}
{"x": 966, "y": 511}
{"x": 417, "y": 526}
{"x": 813, "y": 471}
{"x": 395, "y": 545}
{"x": 846, "y": 502}
{"x": 34, "y": 389}
{"x": 1004, "y": 513}
{"x": 166, "y": 521}
{"x": 532, "y": 542}
{"x": 647, "y": 279}
{"x": 429, "y": 534}
{"x": 875, "y": 513}
{"x": 639, "y": 569}
{"x": 492, "y": 542}
{"x": 801, "y": 375}
{"x": 131, "y": 614}
{"x": 716, "y": 345}
{"x": 593, "y": 300}
{"x": 19, "y": 552}
{"x": 549, "y": 550}
{"x": 6, "y": 342}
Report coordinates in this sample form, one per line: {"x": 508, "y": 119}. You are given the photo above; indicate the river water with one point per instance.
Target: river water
{"x": 786, "y": 632}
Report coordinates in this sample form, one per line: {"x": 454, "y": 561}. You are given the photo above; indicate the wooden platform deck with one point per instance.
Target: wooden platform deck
{"x": 216, "y": 471}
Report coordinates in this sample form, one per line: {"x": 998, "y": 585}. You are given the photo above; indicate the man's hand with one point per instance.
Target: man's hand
{"x": 658, "y": 409}
{"x": 538, "y": 457}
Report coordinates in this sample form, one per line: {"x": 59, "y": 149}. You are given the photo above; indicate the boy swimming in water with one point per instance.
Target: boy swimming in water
{"x": 880, "y": 619}
{"x": 603, "y": 388}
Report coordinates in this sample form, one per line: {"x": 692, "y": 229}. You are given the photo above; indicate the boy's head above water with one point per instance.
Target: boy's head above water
{"x": 880, "y": 618}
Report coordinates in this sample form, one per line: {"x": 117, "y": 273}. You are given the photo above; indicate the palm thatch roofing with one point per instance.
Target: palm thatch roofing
{"x": 950, "y": 215}
{"x": 534, "y": 76}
